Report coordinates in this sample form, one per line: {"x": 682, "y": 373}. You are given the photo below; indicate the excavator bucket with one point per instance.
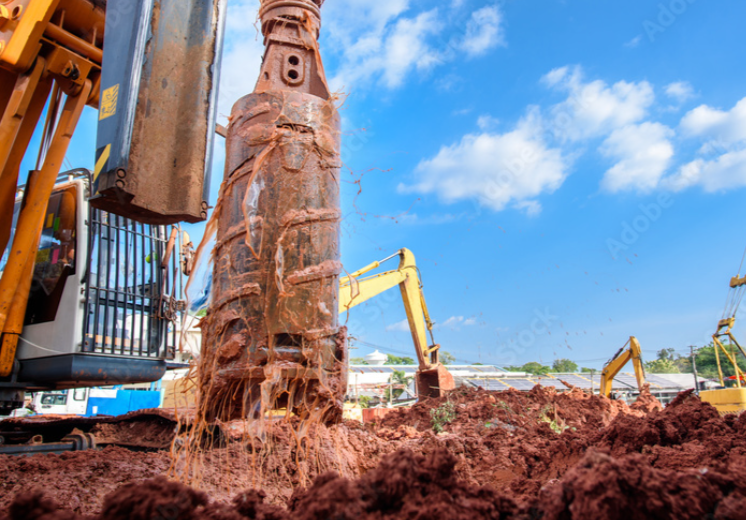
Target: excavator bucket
{"x": 434, "y": 382}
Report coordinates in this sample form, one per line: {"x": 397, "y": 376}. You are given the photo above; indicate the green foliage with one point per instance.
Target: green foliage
{"x": 397, "y": 378}
{"x": 358, "y": 361}
{"x": 564, "y": 366}
{"x": 557, "y": 425}
{"x": 364, "y": 401}
{"x": 707, "y": 364}
{"x": 442, "y": 415}
{"x": 669, "y": 362}
{"x": 396, "y": 360}
{"x": 447, "y": 358}
{"x": 662, "y": 366}
{"x": 201, "y": 313}
{"x": 586, "y": 370}
{"x": 535, "y": 368}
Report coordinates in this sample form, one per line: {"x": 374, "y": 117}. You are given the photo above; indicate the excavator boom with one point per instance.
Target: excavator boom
{"x": 432, "y": 377}
{"x": 613, "y": 367}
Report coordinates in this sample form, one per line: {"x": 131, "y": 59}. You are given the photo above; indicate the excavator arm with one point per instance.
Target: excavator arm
{"x": 432, "y": 377}
{"x": 613, "y": 367}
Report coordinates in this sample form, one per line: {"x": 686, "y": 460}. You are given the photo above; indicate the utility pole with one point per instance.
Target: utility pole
{"x": 592, "y": 372}
{"x": 694, "y": 368}
{"x": 391, "y": 391}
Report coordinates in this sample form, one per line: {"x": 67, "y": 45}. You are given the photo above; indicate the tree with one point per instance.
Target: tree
{"x": 535, "y": 368}
{"x": 396, "y": 360}
{"x": 564, "y": 366}
{"x": 707, "y": 363}
{"x": 447, "y": 358}
{"x": 397, "y": 378}
{"x": 532, "y": 367}
{"x": 662, "y": 366}
{"x": 586, "y": 370}
{"x": 358, "y": 361}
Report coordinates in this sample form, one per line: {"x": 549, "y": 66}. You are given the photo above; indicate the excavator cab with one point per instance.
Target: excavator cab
{"x": 104, "y": 298}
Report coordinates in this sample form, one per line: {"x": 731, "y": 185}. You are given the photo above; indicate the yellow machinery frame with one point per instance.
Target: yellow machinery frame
{"x": 46, "y": 46}
{"x": 725, "y": 328}
{"x": 621, "y": 358}
{"x": 728, "y": 400}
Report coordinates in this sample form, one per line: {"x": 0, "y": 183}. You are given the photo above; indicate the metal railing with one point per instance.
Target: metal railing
{"x": 133, "y": 288}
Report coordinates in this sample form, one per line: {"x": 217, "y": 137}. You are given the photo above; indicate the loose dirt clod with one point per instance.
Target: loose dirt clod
{"x": 507, "y": 455}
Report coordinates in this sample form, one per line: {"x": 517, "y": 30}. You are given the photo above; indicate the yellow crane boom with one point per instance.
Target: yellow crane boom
{"x": 432, "y": 377}
{"x": 621, "y": 358}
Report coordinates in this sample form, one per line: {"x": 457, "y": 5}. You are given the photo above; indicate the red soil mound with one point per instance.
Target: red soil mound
{"x": 406, "y": 485}
{"x": 79, "y": 480}
{"x": 506, "y": 455}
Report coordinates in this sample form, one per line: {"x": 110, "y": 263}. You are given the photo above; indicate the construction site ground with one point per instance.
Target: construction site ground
{"x": 474, "y": 454}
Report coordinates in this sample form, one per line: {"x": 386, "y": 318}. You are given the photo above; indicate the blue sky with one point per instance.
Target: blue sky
{"x": 568, "y": 173}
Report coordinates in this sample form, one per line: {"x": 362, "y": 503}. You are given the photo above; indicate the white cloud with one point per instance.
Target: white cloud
{"x": 594, "y": 109}
{"x": 456, "y": 322}
{"x": 390, "y": 53}
{"x": 634, "y": 42}
{"x": 484, "y": 31}
{"x": 724, "y": 127}
{"x": 495, "y": 169}
{"x": 406, "y": 48}
{"x": 380, "y": 43}
{"x": 532, "y": 208}
{"x": 680, "y": 91}
{"x": 726, "y": 172}
{"x": 644, "y": 153}
{"x": 413, "y": 219}
{"x": 722, "y": 164}
{"x": 453, "y": 322}
{"x": 400, "y": 326}
{"x": 486, "y": 122}
{"x": 242, "y": 54}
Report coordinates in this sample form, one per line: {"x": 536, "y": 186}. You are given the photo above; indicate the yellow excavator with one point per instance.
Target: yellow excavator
{"x": 432, "y": 378}
{"x": 630, "y": 351}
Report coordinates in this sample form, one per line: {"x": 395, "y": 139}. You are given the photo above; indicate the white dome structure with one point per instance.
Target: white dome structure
{"x": 376, "y": 358}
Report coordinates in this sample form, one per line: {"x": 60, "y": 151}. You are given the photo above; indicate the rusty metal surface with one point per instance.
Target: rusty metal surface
{"x": 160, "y": 133}
{"x": 435, "y": 382}
{"x": 271, "y": 338}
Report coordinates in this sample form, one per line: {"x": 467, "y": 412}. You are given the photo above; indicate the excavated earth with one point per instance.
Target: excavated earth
{"x": 497, "y": 455}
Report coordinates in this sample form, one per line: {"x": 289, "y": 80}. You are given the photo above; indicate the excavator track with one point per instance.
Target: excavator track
{"x": 152, "y": 429}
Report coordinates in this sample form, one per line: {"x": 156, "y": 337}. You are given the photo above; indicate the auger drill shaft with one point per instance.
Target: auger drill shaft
{"x": 271, "y": 338}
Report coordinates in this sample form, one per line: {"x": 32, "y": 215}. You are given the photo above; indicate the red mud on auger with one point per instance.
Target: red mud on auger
{"x": 271, "y": 338}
